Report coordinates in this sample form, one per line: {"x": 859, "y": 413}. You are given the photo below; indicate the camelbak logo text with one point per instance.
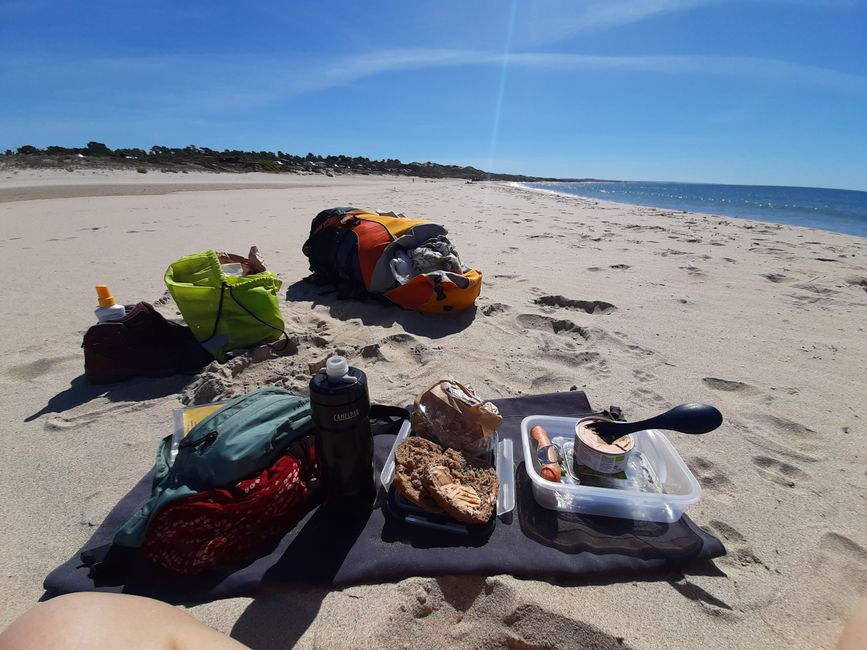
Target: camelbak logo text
{"x": 340, "y": 417}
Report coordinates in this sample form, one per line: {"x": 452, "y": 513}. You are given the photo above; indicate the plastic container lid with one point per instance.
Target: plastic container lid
{"x": 503, "y": 463}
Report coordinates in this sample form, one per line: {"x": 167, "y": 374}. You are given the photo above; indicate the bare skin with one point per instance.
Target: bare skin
{"x": 854, "y": 636}
{"x": 93, "y": 620}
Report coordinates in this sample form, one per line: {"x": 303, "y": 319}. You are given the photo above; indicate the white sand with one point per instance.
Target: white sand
{"x": 766, "y": 322}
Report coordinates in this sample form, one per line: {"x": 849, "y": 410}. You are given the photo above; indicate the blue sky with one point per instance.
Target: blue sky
{"x": 760, "y": 92}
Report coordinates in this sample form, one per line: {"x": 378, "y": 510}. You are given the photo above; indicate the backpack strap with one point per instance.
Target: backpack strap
{"x": 223, "y": 286}
{"x": 286, "y": 341}
{"x": 386, "y": 420}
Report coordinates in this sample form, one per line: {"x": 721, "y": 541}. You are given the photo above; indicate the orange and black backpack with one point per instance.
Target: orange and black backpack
{"x": 408, "y": 261}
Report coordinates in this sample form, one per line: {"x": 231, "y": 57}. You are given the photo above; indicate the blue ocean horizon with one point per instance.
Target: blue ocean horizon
{"x": 842, "y": 211}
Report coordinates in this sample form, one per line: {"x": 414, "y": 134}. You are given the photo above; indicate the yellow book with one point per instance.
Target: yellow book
{"x": 187, "y": 418}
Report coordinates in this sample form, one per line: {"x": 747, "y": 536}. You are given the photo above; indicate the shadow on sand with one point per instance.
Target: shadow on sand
{"x": 315, "y": 556}
{"x": 81, "y": 391}
{"x": 378, "y": 311}
{"x": 279, "y": 621}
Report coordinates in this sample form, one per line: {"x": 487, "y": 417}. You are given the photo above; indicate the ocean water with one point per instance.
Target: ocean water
{"x": 843, "y": 211}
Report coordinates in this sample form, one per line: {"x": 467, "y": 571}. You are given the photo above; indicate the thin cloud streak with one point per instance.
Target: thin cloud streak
{"x": 560, "y": 19}
{"x": 749, "y": 67}
{"x": 222, "y": 85}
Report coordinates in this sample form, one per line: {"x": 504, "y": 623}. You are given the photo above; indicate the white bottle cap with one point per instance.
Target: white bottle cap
{"x": 336, "y": 367}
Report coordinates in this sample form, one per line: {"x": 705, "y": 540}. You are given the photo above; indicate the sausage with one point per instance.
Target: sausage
{"x": 550, "y": 470}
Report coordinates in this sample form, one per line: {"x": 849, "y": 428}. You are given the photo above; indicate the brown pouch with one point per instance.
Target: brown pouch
{"x": 451, "y": 414}
{"x": 253, "y": 263}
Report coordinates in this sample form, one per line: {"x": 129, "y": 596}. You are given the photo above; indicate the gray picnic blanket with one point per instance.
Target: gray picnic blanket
{"x": 325, "y": 549}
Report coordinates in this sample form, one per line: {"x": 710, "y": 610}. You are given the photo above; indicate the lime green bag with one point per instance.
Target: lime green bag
{"x": 225, "y": 312}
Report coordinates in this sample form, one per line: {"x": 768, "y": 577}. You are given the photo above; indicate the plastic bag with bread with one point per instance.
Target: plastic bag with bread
{"x": 451, "y": 414}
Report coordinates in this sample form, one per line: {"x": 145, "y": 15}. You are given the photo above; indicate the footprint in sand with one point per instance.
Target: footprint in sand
{"x": 785, "y": 427}
{"x": 557, "y": 326}
{"x": 648, "y": 398}
{"x": 815, "y": 288}
{"x": 740, "y": 555}
{"x": 857, "y": 282}
{"x": 638, "y": 350}
{"x": 769, "y": 440}
{"x": 843, "y": 546}
{"x": 779, "y": 472}
{"x": 805, "y": 299}
{"x": 589, "y": 363}
{"x": 513, "y": 279}
{"x": 713, "y": 479}
{"x": 727, "y": 385}
{"x": 406, "y": 350}
{"x": 693, "y": 271}
{"x": 727, "y": 532}
{"x": 776, "y": 278}
{"x": 587, "y": 306}
{"x": 643, "y": 377}
{"x": 495, "y": 308}
{"x": 549, "y": 381}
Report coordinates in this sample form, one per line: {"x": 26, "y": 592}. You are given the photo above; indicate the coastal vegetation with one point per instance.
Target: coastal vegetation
{"x": 193, "y": 158}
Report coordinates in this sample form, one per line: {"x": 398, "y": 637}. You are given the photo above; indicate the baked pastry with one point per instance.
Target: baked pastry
{"x": 466, "y": 492}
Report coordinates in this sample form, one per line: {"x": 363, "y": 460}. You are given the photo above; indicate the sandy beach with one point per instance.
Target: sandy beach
{"x": 640, "y": 307}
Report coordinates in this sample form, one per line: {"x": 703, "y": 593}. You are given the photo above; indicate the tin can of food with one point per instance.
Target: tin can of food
{"x": 593, "y": 452}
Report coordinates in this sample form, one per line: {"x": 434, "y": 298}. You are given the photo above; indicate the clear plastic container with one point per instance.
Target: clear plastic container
{"x": 658, "y": 485}
{"x": 504, "y": 463}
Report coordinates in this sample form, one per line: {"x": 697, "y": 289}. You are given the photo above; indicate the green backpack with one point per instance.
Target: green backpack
{"x": 244, "y": 437}
{"x": 225, "y": 312}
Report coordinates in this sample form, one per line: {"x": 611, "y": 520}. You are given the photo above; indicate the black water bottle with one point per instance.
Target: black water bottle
{"x": 340, "y": 405}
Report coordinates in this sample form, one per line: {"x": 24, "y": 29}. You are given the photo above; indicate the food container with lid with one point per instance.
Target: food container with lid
{"x": 655, "y": 485}
{"x": 501, "y": 453}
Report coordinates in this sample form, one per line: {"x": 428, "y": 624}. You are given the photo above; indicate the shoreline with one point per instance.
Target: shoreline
{"x": 708, "y": 214}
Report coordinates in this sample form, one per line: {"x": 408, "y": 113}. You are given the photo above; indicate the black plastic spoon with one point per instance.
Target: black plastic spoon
{"x": 686, "y": 418}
